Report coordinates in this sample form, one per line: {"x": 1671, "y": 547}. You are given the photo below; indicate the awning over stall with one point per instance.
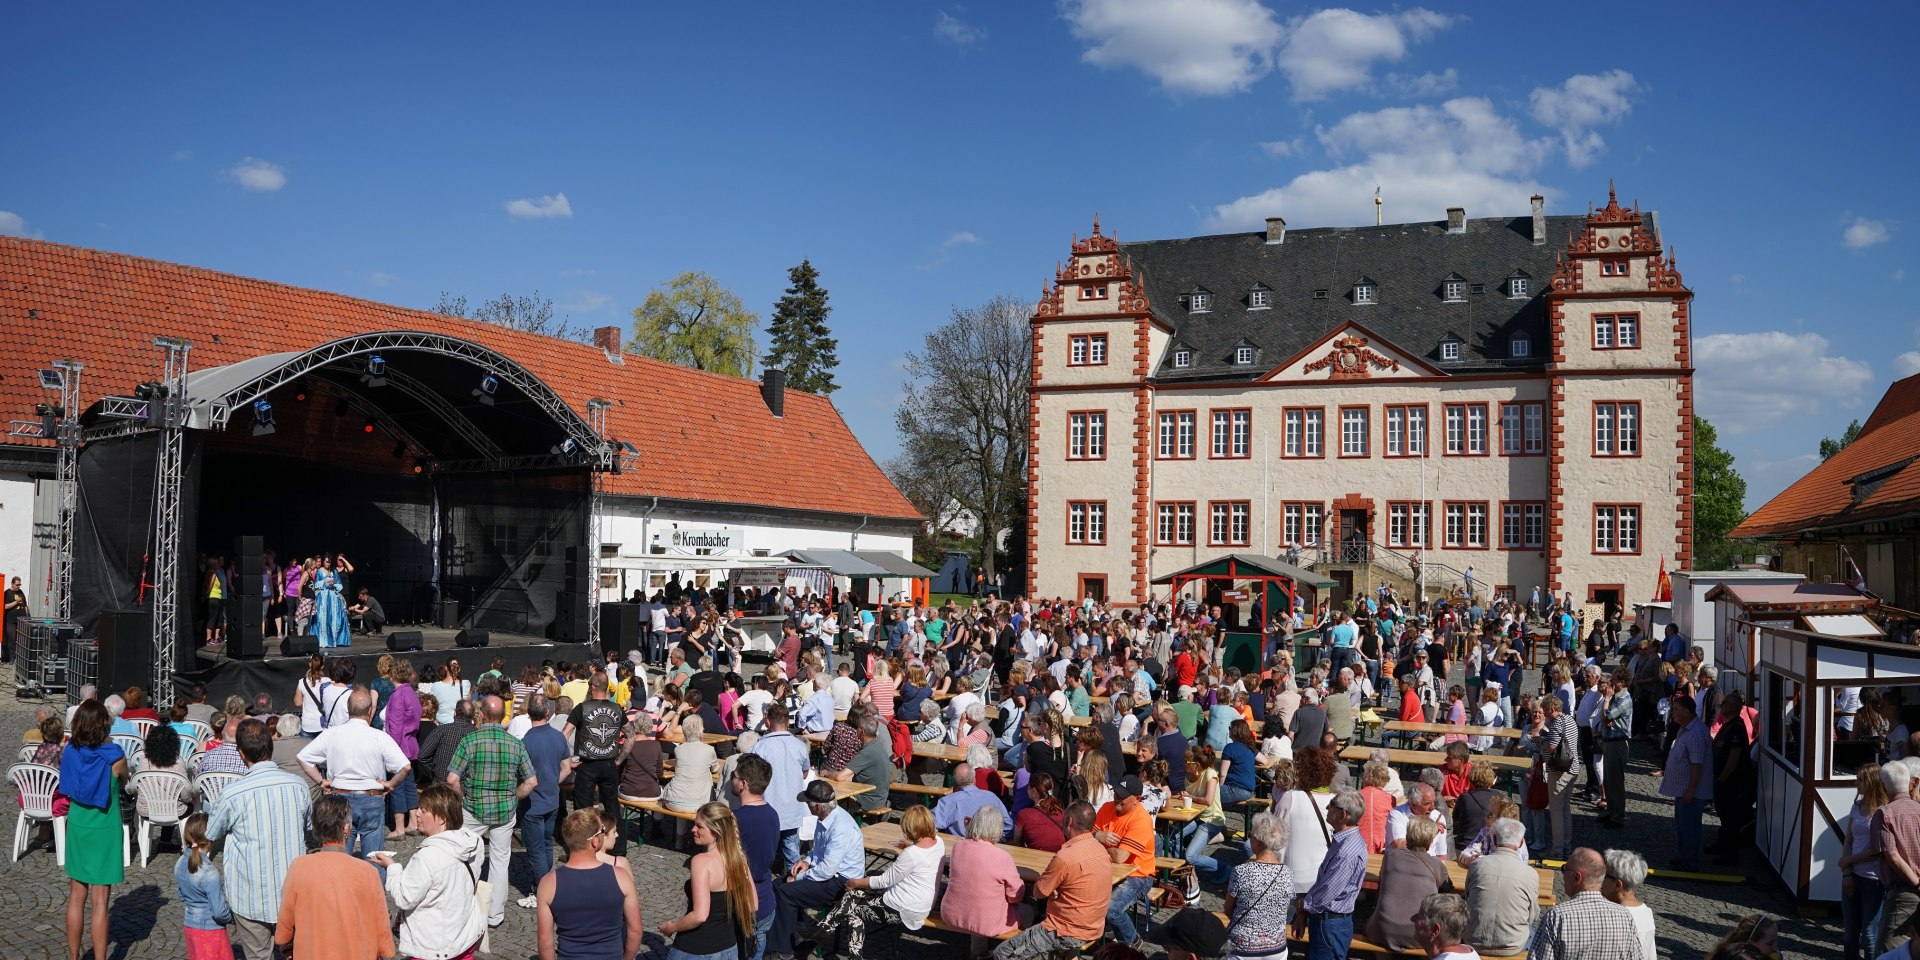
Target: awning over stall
{"x": 842, "y": 562}
{"x": 895, "y": 564}
{"x": 1248, "y": 566}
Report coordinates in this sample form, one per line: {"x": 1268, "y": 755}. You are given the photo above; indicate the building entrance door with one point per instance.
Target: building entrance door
{"x": 1354, "y": 536}
{"x": 1093, "y": 587}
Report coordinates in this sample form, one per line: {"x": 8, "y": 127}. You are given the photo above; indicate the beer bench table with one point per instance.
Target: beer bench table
{"x": 886, "y": 838}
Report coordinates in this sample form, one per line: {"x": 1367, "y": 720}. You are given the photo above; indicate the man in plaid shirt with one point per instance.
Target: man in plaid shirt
{"x": 492, "y": 770}
{"x": 1586, "y": 925}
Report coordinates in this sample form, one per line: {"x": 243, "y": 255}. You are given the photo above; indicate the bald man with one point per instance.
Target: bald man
{"x": 1586, "y": 925}
{"x": 356, "y": 761}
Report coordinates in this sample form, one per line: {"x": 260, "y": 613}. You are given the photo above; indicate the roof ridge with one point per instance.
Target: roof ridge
{"x": 1293, "y": 231}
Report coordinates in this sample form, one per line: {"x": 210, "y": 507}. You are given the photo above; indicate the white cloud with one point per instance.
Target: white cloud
{"x": 181, "y": 156}
{"x": 1906, "y": 364}
{"x": 1900, "y": 274}
{"x": 587, "y": 301}
{"x": 12, "y": 224}
{"x": 954, "y": 241}
{"x": 1757, "y": 381}
{"x": 1333, "y": 50}
{"x": 1863, "y": 233}
{"x": 257, "y": 175}
{"x": 1424, "y": 85}
{"x": 545, "y": 207}
{"x": 956, "y": 31}
{"x": 1282, "y": 148}
{"x": 1585, "y": 101}
{"x": 1198, "y": 47}
{"x": 381, "y": 278}
{"x": 1425, "y": 158}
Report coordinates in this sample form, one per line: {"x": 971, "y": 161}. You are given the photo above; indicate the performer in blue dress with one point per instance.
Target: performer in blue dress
{"x": 330, "y": 605}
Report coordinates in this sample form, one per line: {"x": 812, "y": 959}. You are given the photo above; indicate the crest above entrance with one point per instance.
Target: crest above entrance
{"x": 1352, "y": 352}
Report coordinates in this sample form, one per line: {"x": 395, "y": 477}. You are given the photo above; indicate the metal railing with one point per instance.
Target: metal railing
{"x": 1403, "y": 565}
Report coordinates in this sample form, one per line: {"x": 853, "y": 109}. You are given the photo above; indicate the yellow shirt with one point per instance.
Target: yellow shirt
{"x": 575, "y": 691}
{"x": 618, "y": 689}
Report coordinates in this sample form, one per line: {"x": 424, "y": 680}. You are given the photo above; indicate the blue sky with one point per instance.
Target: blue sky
{"x": 930, "y": 155}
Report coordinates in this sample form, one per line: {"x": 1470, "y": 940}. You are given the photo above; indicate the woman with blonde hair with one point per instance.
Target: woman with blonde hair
{"x": 903, "y": 894}
{"x": 881, "y": 688}
{"x": 721, "y": 899}
{"x": 1861, "y": 886}
{"x": 1091, "y": 782}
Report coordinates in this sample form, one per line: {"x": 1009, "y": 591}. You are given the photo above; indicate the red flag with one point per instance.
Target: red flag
{"x": 1663, "y": 587}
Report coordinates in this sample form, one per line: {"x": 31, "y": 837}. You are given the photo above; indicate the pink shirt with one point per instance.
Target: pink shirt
{"x": 982, "y": 888}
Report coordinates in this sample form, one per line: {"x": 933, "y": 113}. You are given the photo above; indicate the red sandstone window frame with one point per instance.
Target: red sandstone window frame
{"x": 1084, "y": 342}
{"x": 1466, "y": 525}
{"x": 1521, "y": 506}
{"x": 1466, "y": 411}
{"x": 1233, "y": 433}
{"x": 1366, "y": 431}
{"x": 1087, "y": 508}
{"x": 1192, "y": 522}
{"x": 1311, "y": 533}
{"x": 1087, "y": 440}
{"x": 1215, "y": 505}
{"x": 1639, "y": 429}
{"x": 1193, "y": 435}
{"x": 1406, "y": 430}
{"x": 1615, "y": 511}
{"x": 1406, "y": 540}
{"x": 1320, "y": 451}
{"x": 1501, "y": 426}
{"x": 1613, "y": 327}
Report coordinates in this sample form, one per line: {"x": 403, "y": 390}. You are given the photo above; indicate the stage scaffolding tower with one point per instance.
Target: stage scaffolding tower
{"x": 171, "y": 420}
{"x": 596, "y": 515}
{"x": 66, "y": 472}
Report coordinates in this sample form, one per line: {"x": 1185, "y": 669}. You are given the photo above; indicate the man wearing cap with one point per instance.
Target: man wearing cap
{"x": 1077, "y": 887}
{"x": 837, "y": 856}
{"x": 1192, "y": 933}
{"x": 1125, "y": 828}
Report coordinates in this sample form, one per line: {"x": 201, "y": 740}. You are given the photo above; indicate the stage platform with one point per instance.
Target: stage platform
{"x": 277, "y": 675}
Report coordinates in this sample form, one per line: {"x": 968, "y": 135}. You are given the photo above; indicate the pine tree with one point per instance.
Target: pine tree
{"x": 799, "y": 340}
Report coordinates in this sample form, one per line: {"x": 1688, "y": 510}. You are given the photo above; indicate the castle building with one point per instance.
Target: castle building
{"x": 1510, "y": 398}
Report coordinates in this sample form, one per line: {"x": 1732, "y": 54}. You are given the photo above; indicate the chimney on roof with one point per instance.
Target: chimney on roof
{"x": 1539, "y": 219}
{"x": 608, "y": 339}
{"x": 1276, "y": 230}
{"x": 1456, "y": 219}
{"x": 773, "y": 389}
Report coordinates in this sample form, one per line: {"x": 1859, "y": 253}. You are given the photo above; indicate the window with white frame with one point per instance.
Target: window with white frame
{"x": 1175, "y": 524}
{"x": 1316, "y": 520}
{"x": 1476, "y": 526}
{"x": 1087, "y": 521}
{"x": 1454, "y": 290}
{"x": 1260, "y": 299}
{"x": 1616, "y": 429}
{"x": 1290, "y": 516}
{"x": 1616, "y": 528}
{"x": 1200, "y": 302}
{"x": 1454, "y": 418}
{"x": 1603, "y": 333}
{"x": 1232, "y": 434}
{"x": 1353, "y": 431}
{"x": 1243, "y": 355}
{"x": 1365, "y": 294}
{"x": 1406, "y": 430}
{"x": 1407, "y": 524}
{"x": 1176, "y": 435}
{"x": 1522, "y": 525}
{"x": 1450, "y": 350}
{"x": 1230, "y": 522}
{"x": 1086, "y": 436}
{"x": 1522, "y": 428}
{"x": 1476, "y": 429}
{"x": 1627, "y": 331}
{"x": 1087, "y": 349}
{"x": 1518, "y": 286}
{"x": 1453, "y": 525}
{"x": 1182, "y": 359}
{"x": 1520, "y": 347}
{"x": 1302, "y": 431}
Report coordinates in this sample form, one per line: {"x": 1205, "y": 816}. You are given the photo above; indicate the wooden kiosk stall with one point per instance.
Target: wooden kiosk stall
{"x": 1742, "y": 607}
{"x": 1274, "y": 584}
{"x": 1806, "y": 770}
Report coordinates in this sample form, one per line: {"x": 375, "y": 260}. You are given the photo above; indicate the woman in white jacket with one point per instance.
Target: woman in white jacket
{"x": 434, "y": 892}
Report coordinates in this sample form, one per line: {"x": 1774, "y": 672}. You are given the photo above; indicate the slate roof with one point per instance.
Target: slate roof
{"x": 104, "y": 309}
{"x": 1875, "y": 477}
{"x": 1407, "y": 261}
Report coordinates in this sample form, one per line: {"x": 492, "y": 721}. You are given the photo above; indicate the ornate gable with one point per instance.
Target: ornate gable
{"x": 1352, "y": 352}
{"x": 1097, "y": 278}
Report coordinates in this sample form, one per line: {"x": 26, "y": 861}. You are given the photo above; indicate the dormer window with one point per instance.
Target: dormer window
{"x": 1449, "y": 349}
{"x": 1182, "y": 358}
{"x": 1199, "y": 300}
{"x": 1320, "y": 294}
{"x": 1519, "y": 286}
{"x": 1365, "y": 293}
{"x": 1520, "y": 348}
{"x": 1259, "y": 298}
{"x": 1243, "y": 355}
{"x": 1453, "y": 289}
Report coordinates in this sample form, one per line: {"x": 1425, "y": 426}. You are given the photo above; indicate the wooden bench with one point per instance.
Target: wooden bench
{"x": 933, "y": 923}
{"x": 1361, "y": 946}
{"x": 931, "y": 794}
{"x": 655, "y": 806}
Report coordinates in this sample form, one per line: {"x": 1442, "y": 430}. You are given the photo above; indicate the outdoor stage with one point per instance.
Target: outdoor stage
{"x": 278, "y": 675}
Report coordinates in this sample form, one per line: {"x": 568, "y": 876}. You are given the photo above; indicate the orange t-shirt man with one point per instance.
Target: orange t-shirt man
{"x": 1125, "y": 825}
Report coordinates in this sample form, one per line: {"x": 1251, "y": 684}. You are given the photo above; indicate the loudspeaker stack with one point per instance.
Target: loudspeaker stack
{"x": 472, "y": 637}
{"x": 125, "y": 650}
{"x": 246, "y": 608}
{"x": 571, "y": 603}
{"x": 304, "y": 645}
{"x": 405, "y": 640}
{"x": 619, "y": 627}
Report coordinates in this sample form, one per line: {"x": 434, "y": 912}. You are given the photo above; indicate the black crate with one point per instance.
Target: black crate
{"x": 45, "y": 639}
{"x": 53, "y": 675}
{"x": 83, "y": 667}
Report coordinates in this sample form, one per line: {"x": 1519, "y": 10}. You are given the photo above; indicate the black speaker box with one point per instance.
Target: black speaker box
{"x": 406, "y": 640}
{"x": 472, "y": 637}
{"x": 304, "y": 645}
{"x": 619, "y": 627}
{"x": 247, "y": 567}
{"x": 126, "y": 650}
{"x": 447, "y": 615}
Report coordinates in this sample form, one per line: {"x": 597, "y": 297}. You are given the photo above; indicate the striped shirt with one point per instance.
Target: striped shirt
{"x": 263, "y": 816}
{"x": 491, "y": 763}
{"x": 1585, "y": 926}
{"x": 1338, "y": 885}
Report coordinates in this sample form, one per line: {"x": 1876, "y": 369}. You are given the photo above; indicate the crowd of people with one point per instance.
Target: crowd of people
{"x": 1111, "y": 741}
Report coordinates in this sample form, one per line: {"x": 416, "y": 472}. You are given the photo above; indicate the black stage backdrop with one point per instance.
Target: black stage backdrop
{"x": 505, "y": 539}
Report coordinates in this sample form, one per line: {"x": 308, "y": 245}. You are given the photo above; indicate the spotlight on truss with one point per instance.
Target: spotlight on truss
{"x": 489, "y": 385}
{"x": 262, "y": 418}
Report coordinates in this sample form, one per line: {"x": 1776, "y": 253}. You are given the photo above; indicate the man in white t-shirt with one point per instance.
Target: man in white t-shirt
{"x": 1421, "y": 802}
{"x": 657, "y": 636}
{"x": 844, "y": 690}
{"x": 753, "y": 705}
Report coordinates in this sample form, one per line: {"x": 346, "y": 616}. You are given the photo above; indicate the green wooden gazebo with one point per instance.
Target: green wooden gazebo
{"x": 1270, "y": 573}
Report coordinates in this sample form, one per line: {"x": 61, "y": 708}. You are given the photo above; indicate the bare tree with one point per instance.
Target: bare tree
{"x": 532, "y": 313}
{"x": 963, "y": 419}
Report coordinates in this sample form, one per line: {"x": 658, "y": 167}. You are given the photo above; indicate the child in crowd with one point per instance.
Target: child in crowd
{"x": 198, "y": 882}
{"x": 1154, "y": 793}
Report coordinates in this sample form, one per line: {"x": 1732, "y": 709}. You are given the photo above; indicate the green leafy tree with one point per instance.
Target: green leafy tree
{"x": 1829, "y": 446}
{"x": 799, "y": 340}
{"x": 696, "y": 322}
{"x": 1719, "y": 499}
{"x": 963, "y": 420}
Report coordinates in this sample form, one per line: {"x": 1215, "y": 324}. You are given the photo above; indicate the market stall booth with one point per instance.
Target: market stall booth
{"x": 1741, "y": 607}
{"x": 873, "y": 576}
{"x": 1247, "y": 582}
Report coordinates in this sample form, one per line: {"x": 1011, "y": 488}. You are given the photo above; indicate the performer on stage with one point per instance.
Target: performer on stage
{"x": 329, "y": 600}
{"x": 300, "y": 594}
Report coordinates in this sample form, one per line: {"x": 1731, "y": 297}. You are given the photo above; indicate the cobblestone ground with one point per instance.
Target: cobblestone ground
{"x": 146, "y": 913}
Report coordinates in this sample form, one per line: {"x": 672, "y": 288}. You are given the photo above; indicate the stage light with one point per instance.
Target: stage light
{"x": 262, "y": 418}
{"x": 488, "y": 385}
{"x": 376, "y": 375}
{"x": 50, "y": 416}
{"x": 55, "y": 379}
{"x": 418, "y": 468}
{"x": 564, "y": 448}
{"x": 367, "y": 427}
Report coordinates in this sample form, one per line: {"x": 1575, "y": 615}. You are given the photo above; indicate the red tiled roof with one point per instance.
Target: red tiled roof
{"x": 1825, "y": 497}
{"x": 104, "y": 309}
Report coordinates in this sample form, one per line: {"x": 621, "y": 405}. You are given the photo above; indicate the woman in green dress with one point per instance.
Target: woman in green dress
{"x": 91, "y": 771}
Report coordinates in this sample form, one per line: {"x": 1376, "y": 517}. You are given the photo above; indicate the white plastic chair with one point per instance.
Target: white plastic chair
{"x": 210, "y": 785}
{"x": 37, "y": 783}
{"x": 189, "y": 754}
{"x": 27, "y": 751}
{"x": 202, "y": 732}
{"x": 165, "y": 793}
{"x": 134, "y": 747}
{"x": 143, "y": 726}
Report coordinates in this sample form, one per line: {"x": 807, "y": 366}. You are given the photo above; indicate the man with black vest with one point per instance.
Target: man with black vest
{"x": 597, "y": 723}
